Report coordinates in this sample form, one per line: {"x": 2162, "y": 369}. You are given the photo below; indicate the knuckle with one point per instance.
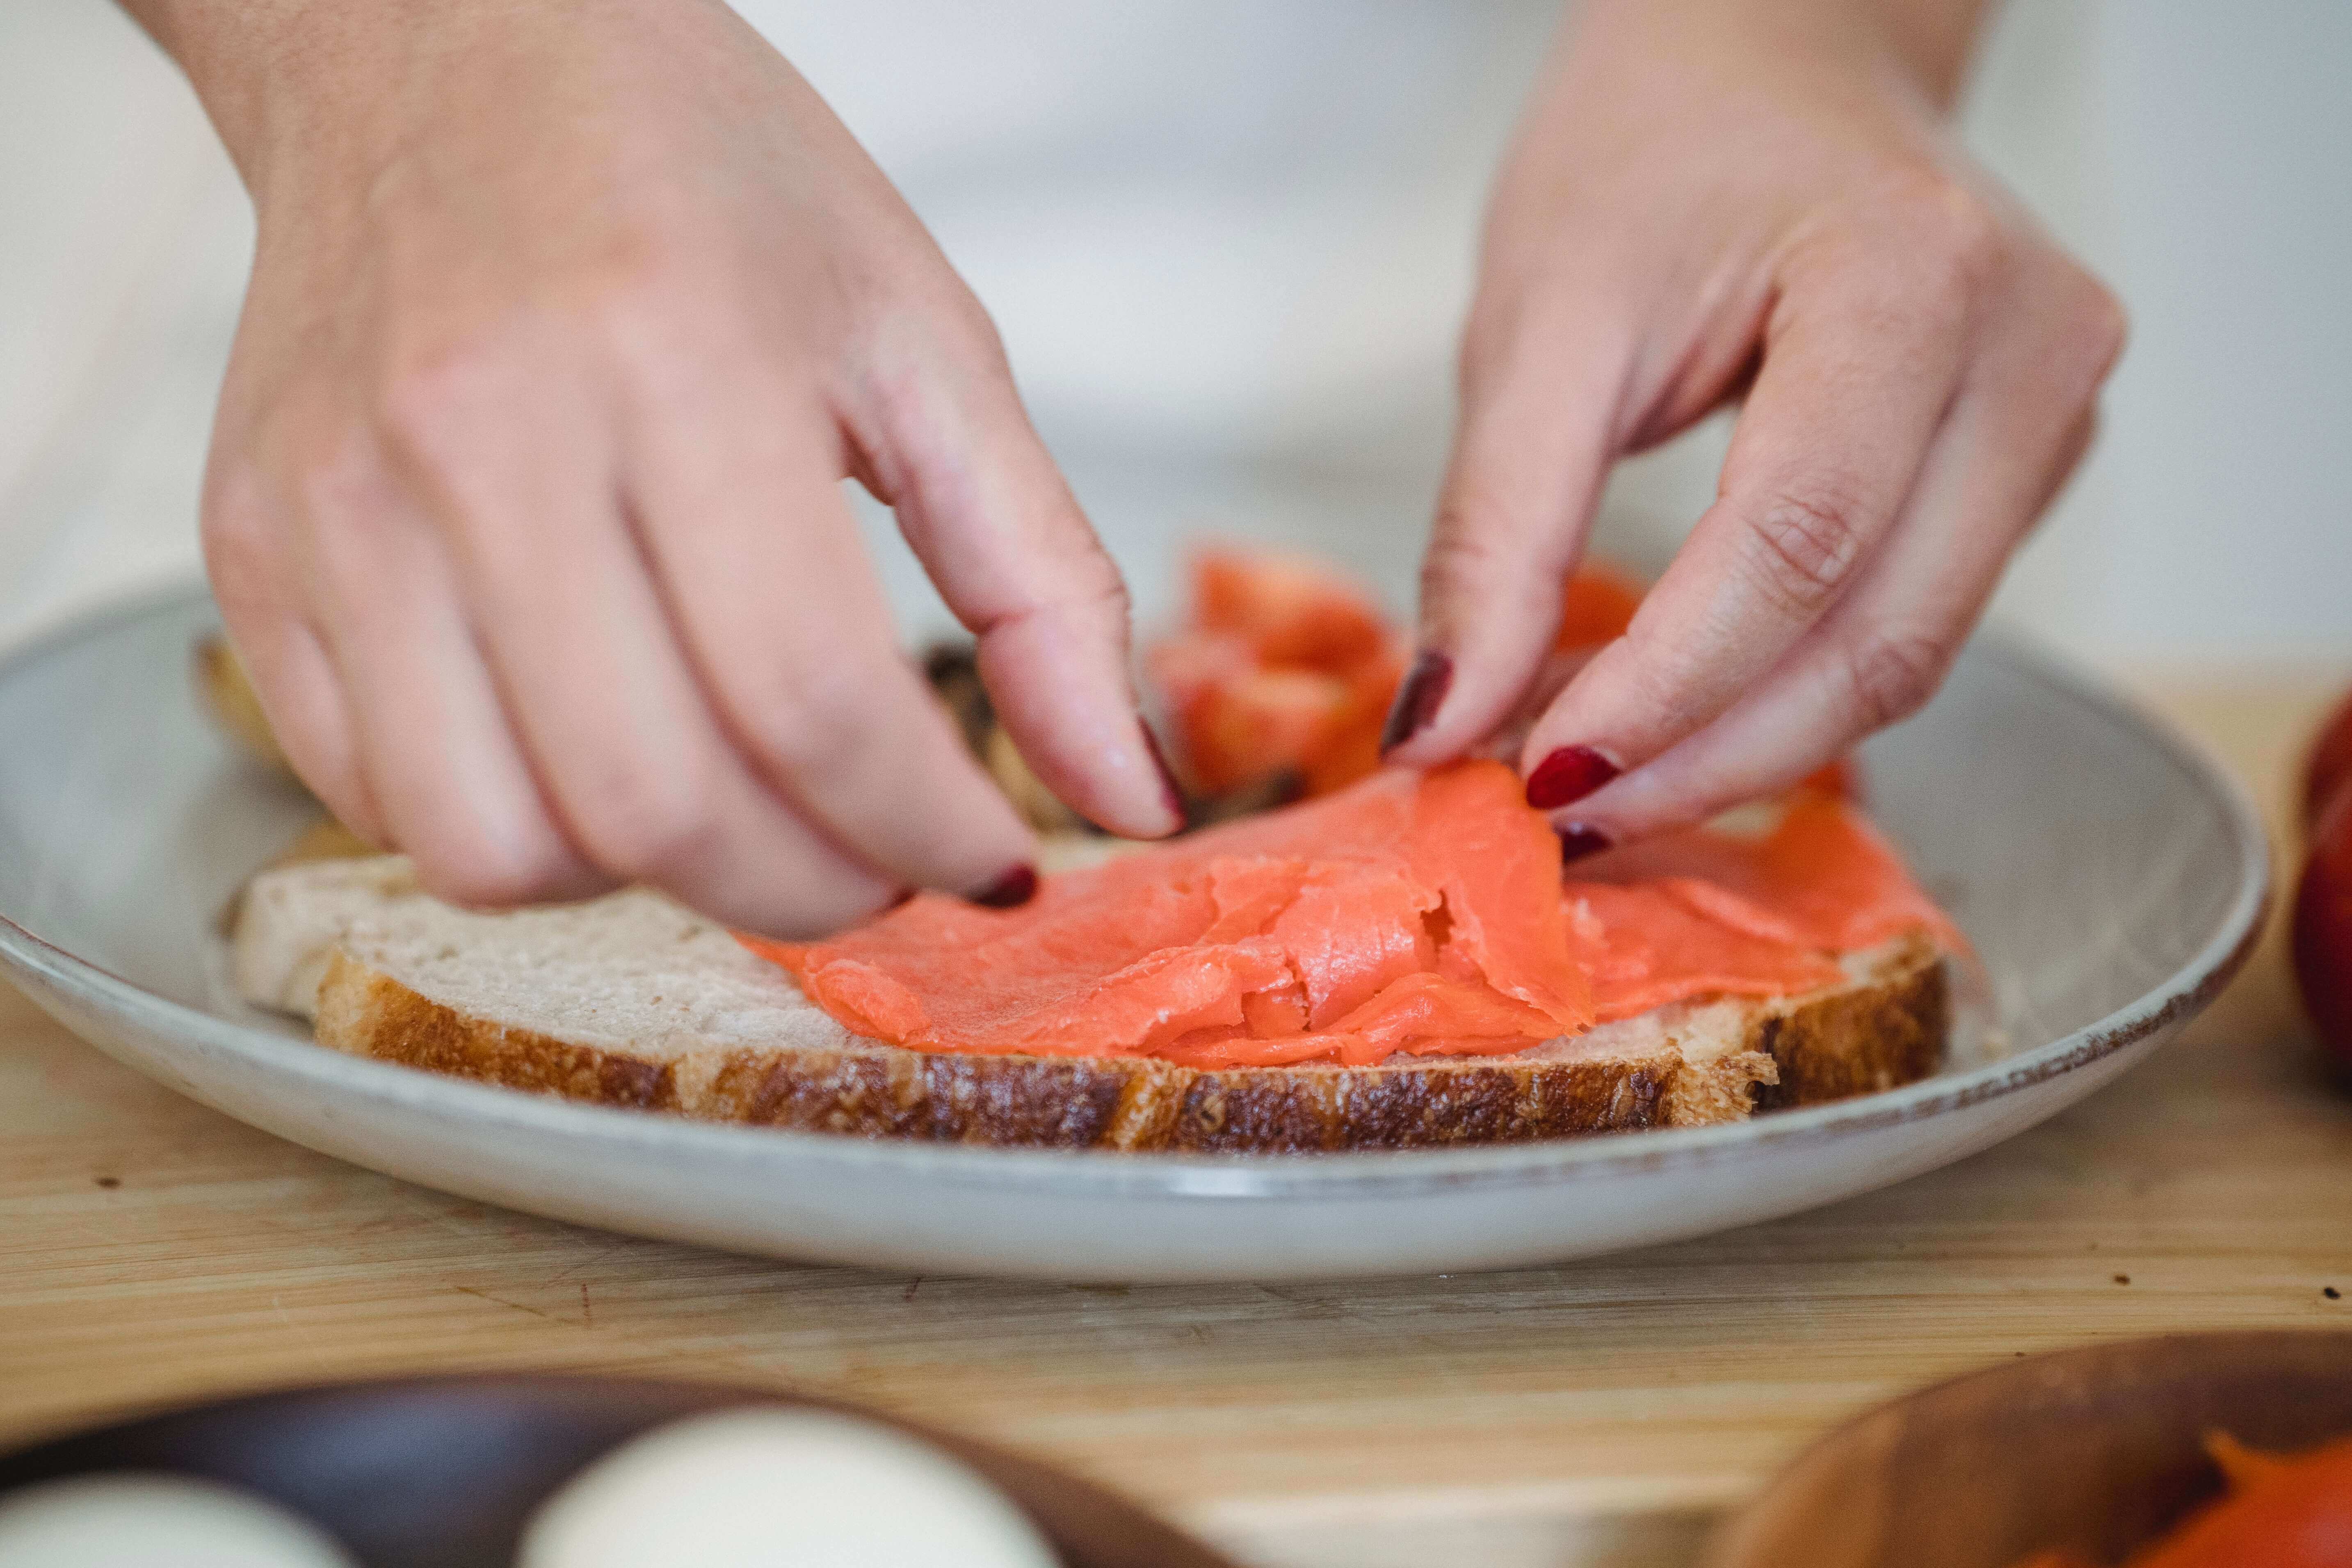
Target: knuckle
{"x": 637, "y": 262}
{"x": 464, "y": 859}
{"x": 1893, "y": 673}
{"x": 329, "y": 473}
{"x": 1459, "y": 563}
{"x": 955, "y": 315}
{"x": 434, "y": 393}
{"x": 2096, "y": 327}
{"x": 636, "y": 294}
{"x": 912, "y": 348}
{"x": 480, "y": 877}
{"x": 239, "y": 546}
{"x": 908, "y": 292}
{"x": 1479, "y": 567}
{"x": 1935, "y": 247}
{"x": 1963, "y": 243}
{"x": 1086, "y": 599}
{"x": 1662, "y": 678}
{"x": 817, "y": 723}
{"x": 1473, "y": 547}
{"x": 1973, "y": 248}
{"x": 644, "y": 822}
{"x": 1095, "y": 592}
{"x": 1804, "y": 544}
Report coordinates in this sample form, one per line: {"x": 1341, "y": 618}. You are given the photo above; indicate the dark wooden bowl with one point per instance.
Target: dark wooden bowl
{"x": 2097, "y": 1448}
{"x": 444, "y": 1473}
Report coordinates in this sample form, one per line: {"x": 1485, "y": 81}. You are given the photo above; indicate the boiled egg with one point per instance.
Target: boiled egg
{"x": 764, "y": 1489}
{"x": 134, "y": 1521}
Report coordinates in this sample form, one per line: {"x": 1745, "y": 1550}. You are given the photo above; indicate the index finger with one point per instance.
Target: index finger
{"x": 990, "y": 518}
{"x": 1857, "y": 374}
{"x": 766, "y": 587}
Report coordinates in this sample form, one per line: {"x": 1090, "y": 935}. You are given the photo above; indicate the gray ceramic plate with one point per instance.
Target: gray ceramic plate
{"x": 2111, "y": 879}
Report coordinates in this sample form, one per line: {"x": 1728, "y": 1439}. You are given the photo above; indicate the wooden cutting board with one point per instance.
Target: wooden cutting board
{"x": 1596, "y": 1413}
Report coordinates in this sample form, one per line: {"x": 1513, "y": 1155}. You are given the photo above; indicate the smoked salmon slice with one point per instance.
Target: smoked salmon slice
{"x": 1821, "y": 878}
{"x": 1644, "y": 948}
{"x": 1411, "y": 913}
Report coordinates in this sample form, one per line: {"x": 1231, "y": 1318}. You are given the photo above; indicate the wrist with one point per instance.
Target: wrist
{"x": 1920, "y": 48}
{"x": 313, "y": 74}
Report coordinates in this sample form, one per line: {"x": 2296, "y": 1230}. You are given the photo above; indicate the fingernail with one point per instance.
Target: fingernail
{"x": 1009, "y": 891}
{"x": 1570, "y": 773}
{"x": 1417, "y": 700}
{"x": 1577, "y": 841}
{"x": 1168, "y": 793}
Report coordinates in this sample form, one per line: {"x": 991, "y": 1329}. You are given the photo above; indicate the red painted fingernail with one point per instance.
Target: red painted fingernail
{"x": 1570, "y": 773}
{"x": 1417, "y": 700}
{"x": 1009, "y": 891}
{"x": 1577, "y": 841}
{"x": 1168, "y": 793}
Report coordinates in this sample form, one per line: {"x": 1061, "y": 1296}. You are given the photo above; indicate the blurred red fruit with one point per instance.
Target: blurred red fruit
{"x": 2323, "y": 931}
{"x": 2329, "y": 771}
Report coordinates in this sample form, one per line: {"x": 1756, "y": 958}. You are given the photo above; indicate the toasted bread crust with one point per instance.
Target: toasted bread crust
{"x": 1887, "y": 1031}
{"x": 1858, "y": 1042}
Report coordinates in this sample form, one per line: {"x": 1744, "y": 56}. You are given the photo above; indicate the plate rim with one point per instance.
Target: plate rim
{"x": 1381, "y": 1176}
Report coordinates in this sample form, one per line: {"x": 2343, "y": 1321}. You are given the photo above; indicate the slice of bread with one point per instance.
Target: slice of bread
{"x": 631, "y": 1000}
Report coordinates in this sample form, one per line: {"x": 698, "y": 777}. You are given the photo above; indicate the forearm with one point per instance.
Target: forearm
{"x": 1926, "y": 43}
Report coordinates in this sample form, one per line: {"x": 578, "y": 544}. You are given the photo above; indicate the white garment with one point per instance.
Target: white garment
{"x": 1232, "y": 224}
{"x": 1228, "y": 243}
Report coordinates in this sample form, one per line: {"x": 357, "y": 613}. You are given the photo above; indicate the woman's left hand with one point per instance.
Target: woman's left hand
{"x": 1710, "y": 198}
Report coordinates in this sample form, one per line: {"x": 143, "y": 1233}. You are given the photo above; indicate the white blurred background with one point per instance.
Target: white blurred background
{"x": 1228, "y": 244}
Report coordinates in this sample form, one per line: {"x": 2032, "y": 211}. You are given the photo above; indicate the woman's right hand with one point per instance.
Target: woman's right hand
{"x": 566, "y": 320}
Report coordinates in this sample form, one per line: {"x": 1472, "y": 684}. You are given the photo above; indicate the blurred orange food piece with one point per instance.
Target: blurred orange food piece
{"x": 1281, "y": 663}
{"x": 1596, "y": 607}
{"x": 1285, "y": 664}
{"x": 2281, "y": 1510}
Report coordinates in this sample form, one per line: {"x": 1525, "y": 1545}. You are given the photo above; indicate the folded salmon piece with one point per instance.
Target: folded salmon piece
{"x": 1822, "y": 878}
{"x": 1645, "y": 947}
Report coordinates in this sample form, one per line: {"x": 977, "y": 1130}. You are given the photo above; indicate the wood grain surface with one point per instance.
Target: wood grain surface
{"x": 1596, "y": 1413}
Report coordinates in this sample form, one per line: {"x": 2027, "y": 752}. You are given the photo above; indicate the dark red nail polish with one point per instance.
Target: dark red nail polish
{"x": 1010, "y": 890}
{"x": 1417, "y": 701}
{"x": 1577, "y": 841}
{"x": 1570, "y": 773}
{"x": 1173, "y": 796}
